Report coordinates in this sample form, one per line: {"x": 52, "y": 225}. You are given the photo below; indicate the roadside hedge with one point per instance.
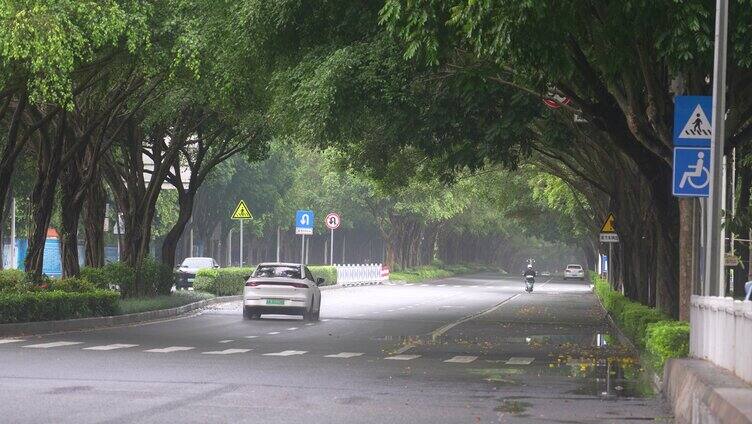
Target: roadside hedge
{"x": 655, "y": 334}
{"x": 158, "y": 278}
{"x": 230, "y": 281}
{"x": 56, "y": 305}
{"x": 222, "y": 281}
{"x": 328, "y": 273}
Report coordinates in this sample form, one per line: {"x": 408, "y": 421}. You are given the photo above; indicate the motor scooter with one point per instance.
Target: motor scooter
{"x": 529, "y": 282}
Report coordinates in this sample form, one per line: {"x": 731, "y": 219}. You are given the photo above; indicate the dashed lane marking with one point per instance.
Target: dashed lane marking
{"x": 325, "y": 320}
{"x": 345, "y": 355}
{"x": 250, "y": 337}
{"x": 111, "y": 346}
{"x": 441, "y": 285}
{"x": 402, "y": 357}
{"x": 520, "y": 361}
{"x": 271, "y": 333}
{"x": 51, "y": 344}
{"x": 227, "y": 341}
{"x": 5, "y": 341}
{"x": 170, "y": 349}
{"x": 462, "y": 359}
{"x": 309, "y": 324}
{"x": 226, "y": 352}
{"x": 292, "y": 328}
{"x": 424, "y": 285}
{"x": 287, "y": 353}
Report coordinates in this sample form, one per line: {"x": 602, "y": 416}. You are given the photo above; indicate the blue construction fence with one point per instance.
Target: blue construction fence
{"x": 52, "y": 265}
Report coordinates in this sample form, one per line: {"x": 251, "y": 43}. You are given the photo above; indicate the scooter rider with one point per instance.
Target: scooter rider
{"x": 530, "y": 271}
{"x": 530, "y": 275}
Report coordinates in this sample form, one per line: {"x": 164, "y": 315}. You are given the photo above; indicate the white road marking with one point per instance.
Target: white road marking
{"x": 4, "y": 341}
{"x": 457, "y": 285}
{"x": 292, "y": 328}
{"x": 273, "y": 332}
{"x": 402, "y": 357}
{"x": 310, "y": 323}
{"x": 344, "y": 355}
{"x": 226, "y": 341}
{"x": 111, "y": 346}
{"x": 424, "y": 285}
{"x": 462, "y": 359}
{"x": 226, "y": 352}
{"x": 441, "y": 330}
{"x": 390, "y": 310}
{"x": 520, "y": 361}
{"x": 170, "y": 349}
{"x": 287, "y": 353}
{"x": 250, "y": 337}
{"x": 325, "y": 320}
{"x": 51, "y": 344}
{"x": 441, "y": 285}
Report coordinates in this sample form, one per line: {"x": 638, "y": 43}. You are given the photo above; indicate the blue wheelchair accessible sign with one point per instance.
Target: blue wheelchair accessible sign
{"x": 691, "y": 171}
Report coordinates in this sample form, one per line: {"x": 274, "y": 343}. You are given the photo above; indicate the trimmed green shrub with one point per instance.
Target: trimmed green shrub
{"x": 665, "y": 340}
{"x": 222, "y": 281}
{"x": 140, "y": 304}
{"x": 71, "y": 285}
{"x": 661, "y": 337}
{"x": 56, "y": 305}
{"x": 113, "y": 274}
{"x": 328, "y": 273}
{"x": 10, "y": 279}
{"x": 635, "y": 318}
{"x": 157, "y": 277}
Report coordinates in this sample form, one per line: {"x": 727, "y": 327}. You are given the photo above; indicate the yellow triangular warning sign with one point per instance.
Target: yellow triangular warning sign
{"x": 608, "y": 224}
{"x": 241, "y": 211}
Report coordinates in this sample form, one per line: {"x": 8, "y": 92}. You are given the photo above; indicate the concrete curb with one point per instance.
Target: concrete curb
{"x": 701, "y": 392}
{"x": 369, "y": 283}
{"x": 44, "y": 327}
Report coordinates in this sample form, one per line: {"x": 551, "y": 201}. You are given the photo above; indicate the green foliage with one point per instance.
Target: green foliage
{"x": 157, "y": 277}
{"x": 437, "y": 271}
{"x": 328, "y": 273}
{"x": 72, "y": 285}
{"x": 11, "y": 279}
{"x": 665, "y": 340}
{"x": 661, "y": 337}
{"x": 56, "y": 305}
{"x": 136, "y": 305}
{"x": 113, "y": 274}
{"x": 222, "y": 281}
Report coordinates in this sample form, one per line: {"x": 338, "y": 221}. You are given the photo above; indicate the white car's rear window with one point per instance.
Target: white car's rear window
{"x": 198, "y": 263}
{"x": 574, "y": 267}
{"x": 279, "y": 271}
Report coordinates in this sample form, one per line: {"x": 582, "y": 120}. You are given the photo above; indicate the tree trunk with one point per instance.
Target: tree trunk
{"x": 43, "y": 197}
{"x": 95, "y": 209}
{"x": 11, "y": 150}
{"x": 169, "y": 246}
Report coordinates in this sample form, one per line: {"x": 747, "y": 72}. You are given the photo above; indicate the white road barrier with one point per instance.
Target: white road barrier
{"x": 720, "y": 329}
{"x": 363, "y": 274}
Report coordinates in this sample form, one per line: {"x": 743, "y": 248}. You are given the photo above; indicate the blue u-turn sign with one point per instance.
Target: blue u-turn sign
{"x": 304, "y": 222}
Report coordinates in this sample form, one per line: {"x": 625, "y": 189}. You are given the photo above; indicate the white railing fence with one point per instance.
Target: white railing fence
{"x": 362, "y": 273}
{"x": 721, "y": 332}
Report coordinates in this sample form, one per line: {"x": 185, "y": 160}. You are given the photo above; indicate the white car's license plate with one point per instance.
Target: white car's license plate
{"x": 275, "y": 301}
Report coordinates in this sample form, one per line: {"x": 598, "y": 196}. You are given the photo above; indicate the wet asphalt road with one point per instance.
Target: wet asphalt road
{"x": 461, "y": 350}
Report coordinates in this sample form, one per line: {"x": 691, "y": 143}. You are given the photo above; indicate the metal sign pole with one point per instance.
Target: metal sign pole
{"x": 241, "y": 243}
{"x": 278, "y": 243}
{"x": 302, "y": 249}
{"x": 13, "y": 254}
{"x": 611, "y": 265}
{"x": 713, "y": 258}
{"x": 331, "y": 249}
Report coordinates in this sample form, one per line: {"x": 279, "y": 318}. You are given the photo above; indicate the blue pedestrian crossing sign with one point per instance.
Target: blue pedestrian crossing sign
{"x": 304, "y": 222}
{"x": 692, "y": 121}
{"x": 691, "y": 171}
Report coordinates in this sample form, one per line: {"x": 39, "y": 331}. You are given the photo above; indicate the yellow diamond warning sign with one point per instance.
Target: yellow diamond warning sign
{"x": 241, "y": 211}
{"x": 608, "y": 224}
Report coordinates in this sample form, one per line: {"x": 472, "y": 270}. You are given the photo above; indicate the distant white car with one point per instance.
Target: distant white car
{"x": 574, "y": 271}
{"x": 546, "y": 274}
{"x": 282, "y": 288}
{"x": 185, "y": 274}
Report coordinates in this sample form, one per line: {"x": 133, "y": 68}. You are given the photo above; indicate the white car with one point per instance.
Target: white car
{"x": 282, "y": 288}
{"x": 574, "y": 271}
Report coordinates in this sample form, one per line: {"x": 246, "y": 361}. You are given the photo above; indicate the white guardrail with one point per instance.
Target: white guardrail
{"x": 363, "y": 273}
{"x": 721, "y": 332}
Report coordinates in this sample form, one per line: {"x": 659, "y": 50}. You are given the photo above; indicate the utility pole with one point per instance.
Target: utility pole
{"x": 277, "y": 243}
{"x": 714, "y": 248}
